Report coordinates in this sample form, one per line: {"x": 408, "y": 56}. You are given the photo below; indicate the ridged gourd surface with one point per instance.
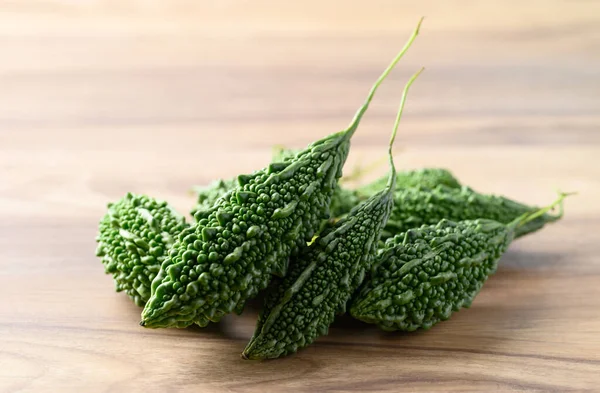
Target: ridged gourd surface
{"x": 133, "y": 240}
{"x": 301, "y": 307}
{"x": 425, "y": 274}
{"x": 342, "y": 201}
{"x": 426, "y": 177}
{"x": 206, "y": 196}
{"x": 248, "y": 235}
{"x": 424, "y": 206}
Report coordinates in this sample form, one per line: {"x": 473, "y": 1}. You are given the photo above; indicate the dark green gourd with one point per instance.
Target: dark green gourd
{"x": 425, "y": 274}
{"x": 343, "y": 199}
{"x": 133, "y": 240}
{"x": 206, "y": 196}
{"x": 301, "y": 307}
{"x": 427, "y": 177}
{"x": 250, "y": 233}
{"x": 424, "y": 206}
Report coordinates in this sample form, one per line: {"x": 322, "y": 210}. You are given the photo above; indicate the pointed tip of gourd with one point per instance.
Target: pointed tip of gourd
{"x": 527, "y": 217}
{"x": 142, "y": 323}
{"x": 243, "y": 356}
{"x": 561, "y": 197}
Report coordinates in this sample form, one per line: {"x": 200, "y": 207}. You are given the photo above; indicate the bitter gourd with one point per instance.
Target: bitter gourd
{"x": 343, "y": 199}
{"x": 133, "y": 239}
{"x": 420, "y": 205}
{"x": 250, "y": 233}
{"x": 206, "y": 196}
{"x": 425, "y": 274}
{"x": 324, "y": 276}
{"x": 427, "y": 177}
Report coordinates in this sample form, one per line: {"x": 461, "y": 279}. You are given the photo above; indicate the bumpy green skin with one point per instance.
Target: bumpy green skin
{"x": 133, "y": 240}
{"x": 342, "y": 201}
{"x": 301, "y": 307}
{"x": 248, "y": 235}
{"x": 208, "y": 195}
{"x": 425, "y": 274}
{"x": 427, "y": 177}
{"x": 423, "y": 206}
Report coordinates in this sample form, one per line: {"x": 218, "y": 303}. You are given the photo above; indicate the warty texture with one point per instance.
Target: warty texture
{"x": 245, "y": 237}
{"x": 419, "y": 206}
{"x": 425, "y": 274}
{"x": 301, "y": 307}
{"x": 133, "y": 240}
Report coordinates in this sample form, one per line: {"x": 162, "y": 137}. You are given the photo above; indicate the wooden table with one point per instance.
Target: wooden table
{"x": 98, "y": 98}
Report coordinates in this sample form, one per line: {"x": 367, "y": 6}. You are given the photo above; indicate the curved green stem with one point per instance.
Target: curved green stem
{"x": 361, "y": 111}
{"x": 528, "y": 217}
{"x": 392, "y": 179}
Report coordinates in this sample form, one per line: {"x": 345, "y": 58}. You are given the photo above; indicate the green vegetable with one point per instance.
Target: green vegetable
{"x": 133, "y": 238}
{"x": 208, "y": 195}
{"x": 427, "y": 177}
{"x": 425, "y": 274}
{"x": 324, "y": 276}
{"x": 419, "y": 205}
{"x": 250, "y": 233}
{"x": 343, "y": 199}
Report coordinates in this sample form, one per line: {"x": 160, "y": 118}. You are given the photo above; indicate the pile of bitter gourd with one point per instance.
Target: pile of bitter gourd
{"x": 403, "y": 252}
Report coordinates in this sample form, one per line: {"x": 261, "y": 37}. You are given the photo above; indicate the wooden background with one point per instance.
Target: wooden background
{"x": 98, "y": 98}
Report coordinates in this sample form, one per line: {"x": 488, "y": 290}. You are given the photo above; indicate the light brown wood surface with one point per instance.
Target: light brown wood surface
{"x": 98, "y": 98}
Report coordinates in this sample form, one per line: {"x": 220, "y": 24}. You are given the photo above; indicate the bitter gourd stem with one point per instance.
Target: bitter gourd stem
{"x": 392, "y": 179}
{"x": 391, "y": 183}
{"x": 361, "y": 111}
{"x": 528, "y": 217}
{"x": 552, "y": 218}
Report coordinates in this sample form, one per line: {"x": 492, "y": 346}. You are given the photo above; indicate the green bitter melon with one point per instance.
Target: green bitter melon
{"x": 133, "y": 239}
{"x": 206, "y": 196}
{"x": 426, "y": 177}
{"x": 424, "y": 206}
{"x": 425, "y": 274}
{"x": 250, "y": 233}
{"x": 323, "y": 277}
{"x": 343, "y": 199}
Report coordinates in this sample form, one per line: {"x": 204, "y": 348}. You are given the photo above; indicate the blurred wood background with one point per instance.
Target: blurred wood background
{"x": 98, "y": 98}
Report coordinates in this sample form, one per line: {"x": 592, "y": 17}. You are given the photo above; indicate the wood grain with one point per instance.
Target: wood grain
{"x": 99, "y": 98}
